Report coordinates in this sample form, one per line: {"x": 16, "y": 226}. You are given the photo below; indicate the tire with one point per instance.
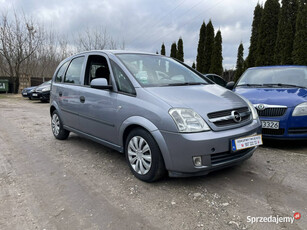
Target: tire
{"x": 57, "y": 127}
{"x": 143, "y": 156}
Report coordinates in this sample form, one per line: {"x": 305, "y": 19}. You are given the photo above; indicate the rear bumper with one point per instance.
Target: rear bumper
{"x": 213, "y": 147}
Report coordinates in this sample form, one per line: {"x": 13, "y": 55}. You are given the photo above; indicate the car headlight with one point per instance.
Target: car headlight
{"x": 188, "y": 121}
{"x": 300, "y": 110}
{"x": 251, "y": 106}
{"x": 46, "y": 89}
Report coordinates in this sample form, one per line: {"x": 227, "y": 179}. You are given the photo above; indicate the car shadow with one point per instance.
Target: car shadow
{"x": 286, "y": 144}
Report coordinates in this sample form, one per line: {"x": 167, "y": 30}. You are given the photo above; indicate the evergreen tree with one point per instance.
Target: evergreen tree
{"x": 173, "y": 50}
{"x": 268, "y": 33}
{"x": 201, "y": 48}
{"x": 193, "y": 65}
{"x": 180, "y": 53}
{"x": 209, "y": 43}
{"x": 251, "y": 59}
{"x": 240, "y": 62}
{"x": 300, "y": 39}
{"x": 217, "y": 58}
{"x": 163, "y": 49}
{"x": 286, "y": 32}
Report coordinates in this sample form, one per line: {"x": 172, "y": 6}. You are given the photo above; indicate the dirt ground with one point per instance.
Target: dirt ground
{"x": 78, "y": 184}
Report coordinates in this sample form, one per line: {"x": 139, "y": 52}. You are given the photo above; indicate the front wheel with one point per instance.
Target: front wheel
{"x": 57, "y": 127}
{"x": 144, "y": 156}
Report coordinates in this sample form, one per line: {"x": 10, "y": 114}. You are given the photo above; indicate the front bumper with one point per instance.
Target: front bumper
{"x": 41, "y": 95}
{"x": 213, "y": 147}
{"x": 26, "y": 94}
{"x": 289, "y": 127}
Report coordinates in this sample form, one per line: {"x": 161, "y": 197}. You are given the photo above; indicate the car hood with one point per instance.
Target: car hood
{"x": 289, "y": 97}
{"x": 41, "y": 87}
{"x": 203, "y": 99}
{"x": 29, "y": 88}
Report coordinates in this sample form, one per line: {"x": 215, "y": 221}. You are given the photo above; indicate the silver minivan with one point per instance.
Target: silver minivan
{"x": 164, "y": 115}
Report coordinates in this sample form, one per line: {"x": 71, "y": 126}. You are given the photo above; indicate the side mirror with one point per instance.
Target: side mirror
{"x": 100, "y": 83}
{"x": 230, "y": 85}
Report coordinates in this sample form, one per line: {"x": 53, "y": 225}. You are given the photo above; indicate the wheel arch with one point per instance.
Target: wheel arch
{"x": 143, "y": 123}
{"x": 53, "y": 107}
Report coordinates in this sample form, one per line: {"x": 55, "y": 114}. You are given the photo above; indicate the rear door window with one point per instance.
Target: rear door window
{"x": 74, "y": 71}
{"x": 61, "y": 72}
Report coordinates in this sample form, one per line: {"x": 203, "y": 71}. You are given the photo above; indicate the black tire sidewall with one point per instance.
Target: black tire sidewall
{"x": 63, "y": 133}
{"x": 157, "y": 164}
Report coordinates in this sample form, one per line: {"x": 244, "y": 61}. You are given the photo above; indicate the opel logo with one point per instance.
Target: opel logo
{"x": 260, "y": 107}
{"x": 236, "y": 116}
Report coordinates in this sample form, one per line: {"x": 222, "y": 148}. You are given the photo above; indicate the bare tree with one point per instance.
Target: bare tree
{"x": 95, "y": 39}
{"x": 19, "y": 39}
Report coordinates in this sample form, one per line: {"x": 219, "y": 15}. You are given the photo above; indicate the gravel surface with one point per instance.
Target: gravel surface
{"x": 78, "y": 184}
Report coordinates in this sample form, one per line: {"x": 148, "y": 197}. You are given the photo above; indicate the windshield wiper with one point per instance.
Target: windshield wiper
{"x": 286, "y": 85}
{"x": 250, "y": 85}
{"x": 186, "y": 83}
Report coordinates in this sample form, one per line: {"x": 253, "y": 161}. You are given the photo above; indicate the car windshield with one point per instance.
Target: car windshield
{"x": 154, "y": 71}
{"x": 275, "y": 77}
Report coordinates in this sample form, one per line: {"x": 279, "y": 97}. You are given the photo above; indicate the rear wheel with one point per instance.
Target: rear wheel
{"x": 144, "y": 156}
{"x": 57, "y": 127}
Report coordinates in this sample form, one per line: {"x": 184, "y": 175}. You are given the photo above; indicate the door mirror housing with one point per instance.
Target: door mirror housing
{"x": 100, "y": 83}
{"x": 230, "y": 85}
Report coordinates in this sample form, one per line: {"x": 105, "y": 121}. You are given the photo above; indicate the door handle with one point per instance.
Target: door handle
{"x": 82, "y": 99}
{"x": 60, "y": 93}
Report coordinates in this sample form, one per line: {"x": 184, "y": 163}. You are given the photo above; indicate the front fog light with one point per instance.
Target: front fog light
{"x": 197, "y": 161}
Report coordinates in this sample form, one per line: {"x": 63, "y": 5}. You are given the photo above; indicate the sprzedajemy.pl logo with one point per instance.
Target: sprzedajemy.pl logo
{"x": 273, "y": 219}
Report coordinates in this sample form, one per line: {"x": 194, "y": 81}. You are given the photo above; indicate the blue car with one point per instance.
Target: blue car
{"x": 279, "y": 93}
{"x": 27, "y": 92}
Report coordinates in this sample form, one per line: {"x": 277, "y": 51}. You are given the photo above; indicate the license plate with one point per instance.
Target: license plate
{"x": 24, "y": 93}
{"x": 270, "y": 124}
{"x": 246, "y": 142}
{"x": 34, "y": 94}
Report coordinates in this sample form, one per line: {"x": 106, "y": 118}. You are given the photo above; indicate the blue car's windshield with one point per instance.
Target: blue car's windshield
{"x": 275, "y": 77}
{"x": 153, "y": 71}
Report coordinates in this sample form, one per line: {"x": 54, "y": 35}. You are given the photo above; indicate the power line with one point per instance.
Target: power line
{"x": 159, "y": 20}
{"x": 150, "y": 34}
{"x": 191, "y": 19}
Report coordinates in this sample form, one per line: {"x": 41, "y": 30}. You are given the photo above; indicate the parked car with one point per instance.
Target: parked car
{"x": 27, "y": 92}
{"x": 216, "y": 79}
{"x": 279, "y": 93}
{"x": 161, "y": 113}
{"x": 42, "y": 92}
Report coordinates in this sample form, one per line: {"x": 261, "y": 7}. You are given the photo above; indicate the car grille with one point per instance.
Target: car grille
{"x": 244, "y": 112}
{"x": 224, "y": 157}
{"x": 297, "y": 131}
{"x": 273, "y": 131}
{"x": 272, "y": 112}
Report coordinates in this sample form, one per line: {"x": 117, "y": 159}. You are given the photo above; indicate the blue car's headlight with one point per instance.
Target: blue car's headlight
{"x": 46, "y": 89}
{"x": 300, "y": 110}
{"x": 188, "y": 121}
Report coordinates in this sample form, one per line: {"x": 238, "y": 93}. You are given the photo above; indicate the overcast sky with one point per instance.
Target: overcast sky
{"x": 145, "y": 24}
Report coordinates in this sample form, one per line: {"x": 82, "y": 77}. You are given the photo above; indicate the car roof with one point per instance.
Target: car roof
{"x": 117, "y": 52}
{"x": 278, "y": 66}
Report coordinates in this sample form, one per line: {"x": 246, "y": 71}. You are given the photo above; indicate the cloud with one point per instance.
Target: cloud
{"x": 144, "y": 25}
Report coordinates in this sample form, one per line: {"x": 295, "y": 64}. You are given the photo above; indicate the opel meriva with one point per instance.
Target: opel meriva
{"x": 164, "y": 115}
